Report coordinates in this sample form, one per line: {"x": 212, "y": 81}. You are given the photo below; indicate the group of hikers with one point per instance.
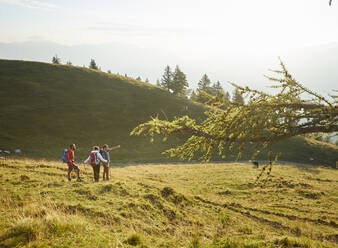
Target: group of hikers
{"x": 96, "y": 158}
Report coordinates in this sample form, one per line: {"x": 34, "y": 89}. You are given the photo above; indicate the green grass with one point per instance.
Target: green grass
{"x": 200, "y": 205}
{"x": 45, "y": 107}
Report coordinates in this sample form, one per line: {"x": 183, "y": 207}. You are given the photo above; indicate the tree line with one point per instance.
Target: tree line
{"x": 177, "y": 84}
{"x": 92, "y": 63}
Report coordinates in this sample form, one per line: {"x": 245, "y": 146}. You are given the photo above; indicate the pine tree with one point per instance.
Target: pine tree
{"x": 179, "y": 83}
{"x": 167, "y": 78}
{"x": 109, "y": 71}
{"x": 193, "y": 96}
{"x": 147, "y": 80}
{"x": 237, "y": 97}
{"x": 56, "y": 60}
{"x": 217, "y": 89}
{"x": 139, "y": 78}
{"x": 204, "y": 85}
{"x": 93, "y": 65}
{"x": 69, "y": 63}
{"x": 227, "y": 96}
{"x": 158, "y": 83}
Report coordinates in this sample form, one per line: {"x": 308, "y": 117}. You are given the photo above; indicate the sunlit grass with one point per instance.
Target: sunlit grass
{"x": 181, "y": 205}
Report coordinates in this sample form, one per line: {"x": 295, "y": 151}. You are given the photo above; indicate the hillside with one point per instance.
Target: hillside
{"x": 215, "y": 205}
{"x": 45, "y": 107}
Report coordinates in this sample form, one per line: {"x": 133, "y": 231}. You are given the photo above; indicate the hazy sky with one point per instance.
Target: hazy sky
{"x": 230, "y": 40}
{"x": 187, "y": 25}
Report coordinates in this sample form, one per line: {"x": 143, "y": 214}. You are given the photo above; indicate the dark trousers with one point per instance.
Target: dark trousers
{"x": 96, "y": 170}
{"x": 105, "y": 172}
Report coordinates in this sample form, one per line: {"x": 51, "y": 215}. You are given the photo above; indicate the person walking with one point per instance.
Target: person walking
{"x": 70, "y": 157}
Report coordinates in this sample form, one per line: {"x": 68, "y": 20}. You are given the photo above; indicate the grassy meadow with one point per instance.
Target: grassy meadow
{"x": 176, "y": 205}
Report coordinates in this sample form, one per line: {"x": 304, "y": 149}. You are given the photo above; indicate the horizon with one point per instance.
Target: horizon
{"x": 185, "y": 33}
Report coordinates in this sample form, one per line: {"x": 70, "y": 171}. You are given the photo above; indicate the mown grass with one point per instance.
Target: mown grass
{"x": 181, "y": 205}
{"x": 45, "y": 107}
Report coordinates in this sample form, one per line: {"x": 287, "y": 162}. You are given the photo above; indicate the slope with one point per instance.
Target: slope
{"x": 44, "y": 107}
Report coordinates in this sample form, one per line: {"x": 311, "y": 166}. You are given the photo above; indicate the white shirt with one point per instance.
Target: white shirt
{"x": 99, "y": 156}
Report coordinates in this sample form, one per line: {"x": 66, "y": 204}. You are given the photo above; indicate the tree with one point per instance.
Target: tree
{"x": 264, "y": 120}
{"x": 217, "y": 89}
{"x": 56, "y": 60}
{"x": 179, "y": 84}
{"x": 167, "y": 78}
{"x": 204, "y": 83}
{"x": 237, "y": 97}
{"x": 204, "y": 86}
{"x": 109, "y": 71}
{"x": 92, "y": 65}
{"x": 193, "y": 96}
{"x": 139, "y": 78}
{"x": 158, "y": 83}
{"x": 147, "y": 80}
{"x": 69, "y": 63}
{"x": 227, "y": 96}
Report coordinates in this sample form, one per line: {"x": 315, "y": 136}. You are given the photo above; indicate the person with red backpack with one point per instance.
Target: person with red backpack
{"x": 71, "y": 163}
{"x": 95, "y": 158}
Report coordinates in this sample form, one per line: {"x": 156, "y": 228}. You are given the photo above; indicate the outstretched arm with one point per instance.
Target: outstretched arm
{"x": 86, "y": 161}
{"x": 114, "y": 148}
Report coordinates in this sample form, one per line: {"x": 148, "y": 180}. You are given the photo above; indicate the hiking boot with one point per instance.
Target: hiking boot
{"x": 79, "y": 180}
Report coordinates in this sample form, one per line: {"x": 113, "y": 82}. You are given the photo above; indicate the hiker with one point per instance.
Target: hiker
{"x": 71, "y": 163}
{"x": 95, "y": 158}
{"x": 105, "y": 154}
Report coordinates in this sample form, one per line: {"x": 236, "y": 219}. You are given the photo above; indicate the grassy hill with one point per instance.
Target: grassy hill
{"x": 214, "y": 205}
{"x": 45, "y": 107}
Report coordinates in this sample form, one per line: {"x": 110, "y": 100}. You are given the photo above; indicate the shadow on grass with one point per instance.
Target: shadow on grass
{"x": 308, "y": 168}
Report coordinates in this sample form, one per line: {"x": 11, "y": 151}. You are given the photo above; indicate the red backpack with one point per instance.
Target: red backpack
{"x": 93, "y": 159}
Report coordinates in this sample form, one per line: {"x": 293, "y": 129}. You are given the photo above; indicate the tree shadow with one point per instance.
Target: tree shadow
{"x": 308, "y": 168}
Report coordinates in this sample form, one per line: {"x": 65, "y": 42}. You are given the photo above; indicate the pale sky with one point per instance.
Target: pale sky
{"x": 187, "y": 25}
{"x": 230, "y": 40}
